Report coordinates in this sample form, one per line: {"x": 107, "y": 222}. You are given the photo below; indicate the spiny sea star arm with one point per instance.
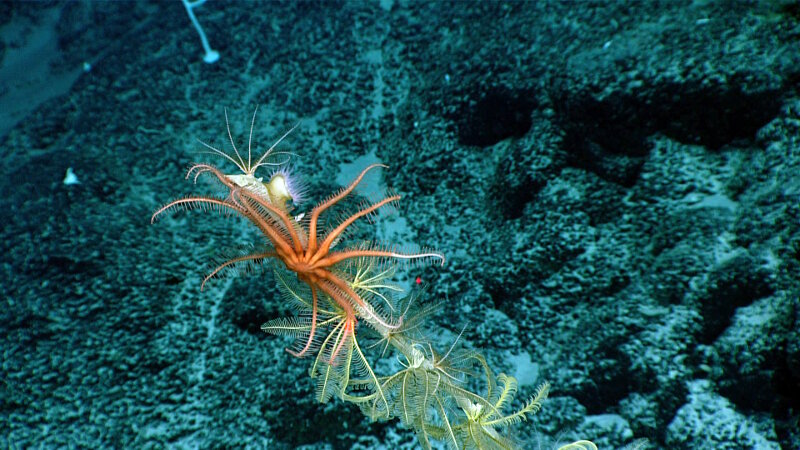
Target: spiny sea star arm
{"x": 287, "y": 222}
{"x": 332, "y": 200}
{"x": 326, "y": 244}
{"x": 200, "y": 168}
{"x": 283, "y": 248}
{"x": 230, "y": 262}
{"x": 337, "y": 257}
{"x": 196, "y": 202}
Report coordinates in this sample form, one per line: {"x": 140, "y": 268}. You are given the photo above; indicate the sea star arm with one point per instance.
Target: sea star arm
{"x": 337, "y": 257}
{"x": 312, "y": 225}
{"x": 281, "y": 215}
{"x": 240, "y": 259}
{"x": 324, "y": 248}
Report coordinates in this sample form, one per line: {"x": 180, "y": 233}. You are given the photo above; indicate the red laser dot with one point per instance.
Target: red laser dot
{"x": 418, "y": 280}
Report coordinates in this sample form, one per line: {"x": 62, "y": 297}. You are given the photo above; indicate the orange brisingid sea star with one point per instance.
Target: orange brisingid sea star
{"x": 299, "y": 243}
